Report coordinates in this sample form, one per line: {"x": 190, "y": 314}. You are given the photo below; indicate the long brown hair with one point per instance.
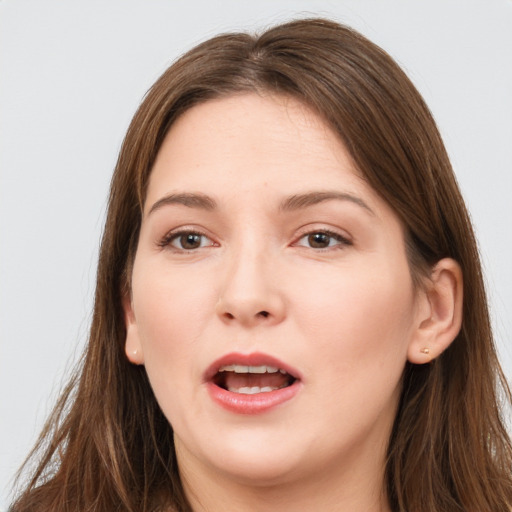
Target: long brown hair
{"x": 108, "y": 446}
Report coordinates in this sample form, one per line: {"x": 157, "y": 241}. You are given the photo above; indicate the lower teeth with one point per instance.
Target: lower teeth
{"x": 252, "y": 391}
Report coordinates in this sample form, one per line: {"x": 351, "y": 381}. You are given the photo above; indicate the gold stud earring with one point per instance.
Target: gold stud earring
{"x": 425, "y": 350}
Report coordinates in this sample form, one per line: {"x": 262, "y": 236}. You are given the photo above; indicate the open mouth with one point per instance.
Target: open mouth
{"x": 251, "y": 384}
{"x": 251, "y": 380}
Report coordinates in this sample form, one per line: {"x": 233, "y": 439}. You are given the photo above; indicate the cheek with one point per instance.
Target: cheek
{"x": 170, "y": 311}
{"x": 358, "y": 327}
{"x": 170, "y": 314}
{"x": 360, "y": 320}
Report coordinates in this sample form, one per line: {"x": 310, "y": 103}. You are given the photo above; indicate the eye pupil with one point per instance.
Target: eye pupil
{"x": 318, "y": 240}
{"x": 190, "y": 241}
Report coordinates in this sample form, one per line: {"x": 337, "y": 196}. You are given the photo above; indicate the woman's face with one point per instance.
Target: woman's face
{"x": 272, "y": 304}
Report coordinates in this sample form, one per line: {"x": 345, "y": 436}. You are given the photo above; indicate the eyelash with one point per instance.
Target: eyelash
{"x": 341, "y": 241}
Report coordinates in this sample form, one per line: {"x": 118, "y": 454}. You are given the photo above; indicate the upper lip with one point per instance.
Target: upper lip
{"x": 252, "y": 359}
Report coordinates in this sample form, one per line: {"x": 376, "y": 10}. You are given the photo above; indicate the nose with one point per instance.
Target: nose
{"x": 250, "y": 293}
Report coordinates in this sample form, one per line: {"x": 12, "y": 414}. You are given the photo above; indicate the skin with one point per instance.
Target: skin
{"x": 346, "y": 315}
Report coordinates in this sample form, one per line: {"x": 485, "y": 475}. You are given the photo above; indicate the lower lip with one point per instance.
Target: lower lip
{"x": 252, "y": 404}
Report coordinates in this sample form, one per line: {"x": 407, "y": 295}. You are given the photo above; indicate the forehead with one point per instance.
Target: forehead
{"x": 250, "y": 142}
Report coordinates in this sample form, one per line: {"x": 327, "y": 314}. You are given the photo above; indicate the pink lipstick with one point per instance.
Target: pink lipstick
{"x": 251, "y": 383}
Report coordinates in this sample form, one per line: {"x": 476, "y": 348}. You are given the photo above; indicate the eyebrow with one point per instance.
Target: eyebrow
{"x": 299, "y": 201}
{"x": 292, "y": 203}
{"x": 191, "y": 200}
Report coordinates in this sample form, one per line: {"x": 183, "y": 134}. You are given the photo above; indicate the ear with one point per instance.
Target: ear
{"x": 439, "y": 313}
{"x": 132, "y": 346}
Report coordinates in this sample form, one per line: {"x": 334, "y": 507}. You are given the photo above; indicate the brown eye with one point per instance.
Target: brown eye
{"x": 319, "y": 240}
{"x": 323, "y": 240}
{"x": 188, "y": 241}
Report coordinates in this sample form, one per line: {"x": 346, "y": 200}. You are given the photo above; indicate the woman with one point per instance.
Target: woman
{"x": 289, "y": 310}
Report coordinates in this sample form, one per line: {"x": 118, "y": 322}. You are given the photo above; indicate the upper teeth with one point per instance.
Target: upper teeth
{"x": 238, "y": 368}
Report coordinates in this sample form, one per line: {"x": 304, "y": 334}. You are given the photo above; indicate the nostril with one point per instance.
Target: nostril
{"x": 228, "y": 316}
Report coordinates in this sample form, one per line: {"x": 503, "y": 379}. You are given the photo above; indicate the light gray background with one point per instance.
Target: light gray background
{"x": 72, "y": 74}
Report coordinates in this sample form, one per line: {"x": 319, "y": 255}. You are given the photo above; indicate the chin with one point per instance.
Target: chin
{"x": 260, "y": 471}
{"x": 253, "y": 457}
